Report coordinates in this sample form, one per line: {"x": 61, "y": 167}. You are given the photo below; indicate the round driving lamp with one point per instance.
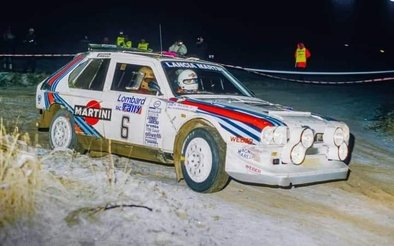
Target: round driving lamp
{"x": 297, "y": 154}
{"x": 343, "y": 151}
{"x": 307, "y": 137}
{"x": 339, "y": 136}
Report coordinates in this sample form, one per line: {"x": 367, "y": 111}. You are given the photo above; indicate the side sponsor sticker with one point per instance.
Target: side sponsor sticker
{"x": 92, "y": 112}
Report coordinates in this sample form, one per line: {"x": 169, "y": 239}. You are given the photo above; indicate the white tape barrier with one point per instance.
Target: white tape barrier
{"x": 267, "y": 73}
{"x": 264, "y": 72}
{"x": 36, "y": 55}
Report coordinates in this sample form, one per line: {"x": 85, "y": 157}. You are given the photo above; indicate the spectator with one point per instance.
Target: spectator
{"x": 178, "y": 47}
{"x": 301, "y": 55}
{"x": 120, "y": 40}
{"x": 201, "y": 48}
{"x": 143, "y": 45}
{"x": 9, "y": 48}
{"x": 128, "y": 43}
{"x": 30, "y": 47}
{"x": 84, "y": 43}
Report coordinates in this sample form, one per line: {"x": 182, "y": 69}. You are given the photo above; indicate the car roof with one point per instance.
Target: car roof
{"x": 160, "y": 56}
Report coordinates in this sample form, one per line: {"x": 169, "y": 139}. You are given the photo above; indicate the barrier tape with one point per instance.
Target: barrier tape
{"x": 36, "y": 55}
{"x": 265, "y": 72}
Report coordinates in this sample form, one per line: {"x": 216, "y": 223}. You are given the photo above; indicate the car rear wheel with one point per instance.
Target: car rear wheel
{"x": 61, "y": 131}
{"x": 203, "y": 160}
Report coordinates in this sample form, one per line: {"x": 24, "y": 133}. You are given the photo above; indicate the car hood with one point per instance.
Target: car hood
{"x": 276, "y": 113}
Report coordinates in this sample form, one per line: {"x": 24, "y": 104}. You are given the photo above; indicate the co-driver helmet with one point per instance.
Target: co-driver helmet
{"x": 147, "y": 77}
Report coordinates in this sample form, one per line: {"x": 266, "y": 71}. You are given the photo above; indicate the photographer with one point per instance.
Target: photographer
{"x": 179, "y": 48}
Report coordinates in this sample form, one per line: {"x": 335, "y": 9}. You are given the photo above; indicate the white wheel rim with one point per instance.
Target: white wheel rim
{"x": 198, "y": 160}
{"x": 61, "y": 133}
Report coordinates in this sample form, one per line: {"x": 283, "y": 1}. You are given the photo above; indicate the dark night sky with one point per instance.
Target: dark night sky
{"x": 235, "y": 32}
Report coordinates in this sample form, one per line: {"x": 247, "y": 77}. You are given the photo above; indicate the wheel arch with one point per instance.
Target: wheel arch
{"x": 47, "y": 116}
{"x": 181, "y": 136}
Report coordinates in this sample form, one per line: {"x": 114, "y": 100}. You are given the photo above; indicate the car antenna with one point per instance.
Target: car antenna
{"x": 161, "y": 43}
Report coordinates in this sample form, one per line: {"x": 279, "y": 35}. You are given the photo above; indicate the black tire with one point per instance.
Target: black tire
{"x": 61, "y": 131}
{"x": 203, "y": 160}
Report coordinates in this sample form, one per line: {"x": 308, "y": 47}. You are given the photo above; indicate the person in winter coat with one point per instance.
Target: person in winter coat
{"x": 30, "y": 47}
{"x": 179, "y": 48}
{"x": 301, "y": 55}
{"x": 201, "y": 48}
{"x": 9, "y": 48}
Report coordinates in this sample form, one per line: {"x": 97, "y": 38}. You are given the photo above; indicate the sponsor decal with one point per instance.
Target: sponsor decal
{"x": 130, "y": 104}
{"x": 179, "y": 106}
{"x": 239, "y": 139}
{"x": 153, "y": 120}
{"x": 104, "y": 55}
{"x": 245, "y": 153}
{"x": 193, "y": 65}
{"x": 92, "y": 112}
{"x": 39, "y": 99}
{"x": 156, "y": 104}
{"x": 152, "y": 133}
{"x": 253, "y": 168}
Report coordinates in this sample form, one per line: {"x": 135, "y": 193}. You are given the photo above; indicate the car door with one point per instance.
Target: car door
{"x": 130, "y": 104}
{"x": 85, "y": 95}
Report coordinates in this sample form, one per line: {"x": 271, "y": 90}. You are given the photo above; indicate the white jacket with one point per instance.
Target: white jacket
{"x": 178, "y": 48}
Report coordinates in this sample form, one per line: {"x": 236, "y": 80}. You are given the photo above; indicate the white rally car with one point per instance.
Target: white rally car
{"x": 189, "y": 113}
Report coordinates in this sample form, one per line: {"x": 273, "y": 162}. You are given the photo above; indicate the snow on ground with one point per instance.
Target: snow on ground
{"x": 144, "y": 205}
{"x": 151, "y": 208}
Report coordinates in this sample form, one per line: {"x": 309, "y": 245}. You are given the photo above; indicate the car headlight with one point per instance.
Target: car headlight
{"x": 339, "y": 136}
{"x": 280, "y": 135}
{"x": 267, "y": 134}
{"x": 307, "y": 137}
{"x": 274, "y": 135}
{"x": 297, "y": 154}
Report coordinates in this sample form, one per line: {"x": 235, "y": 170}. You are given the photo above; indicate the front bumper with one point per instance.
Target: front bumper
{"x": 286, "y": 179}
{"x": 263, "y": 169}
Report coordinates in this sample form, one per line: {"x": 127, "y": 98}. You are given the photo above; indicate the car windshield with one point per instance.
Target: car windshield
{"x": 202, "y": 78}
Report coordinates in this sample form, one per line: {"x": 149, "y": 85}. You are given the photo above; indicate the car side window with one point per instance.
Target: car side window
{"x": 89, "y": 75}
{"x": 132, "y": 78}
{"x": 216, "y": 84}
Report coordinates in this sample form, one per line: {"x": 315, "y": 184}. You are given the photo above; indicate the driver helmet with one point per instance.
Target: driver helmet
{"x": 148, "y": 76}
{"x": 187, "y": 81}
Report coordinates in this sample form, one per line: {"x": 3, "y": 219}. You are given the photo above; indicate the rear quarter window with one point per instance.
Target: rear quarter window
{"x": 89, "y": 75}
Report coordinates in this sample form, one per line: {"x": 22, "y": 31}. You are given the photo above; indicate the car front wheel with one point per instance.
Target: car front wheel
{"x": 203, "y": 160}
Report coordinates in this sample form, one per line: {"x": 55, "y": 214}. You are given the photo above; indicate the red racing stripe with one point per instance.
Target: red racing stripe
{"x": 51, "y": 98}
{"x": 245, "y": 118}
{"x": 53, "y": 79}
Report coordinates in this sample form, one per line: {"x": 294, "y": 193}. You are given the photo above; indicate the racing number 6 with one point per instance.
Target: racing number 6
{"x": 124, "y": 129}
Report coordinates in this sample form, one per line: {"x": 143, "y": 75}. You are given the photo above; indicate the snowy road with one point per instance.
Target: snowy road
{"x": 358, "y": 211}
